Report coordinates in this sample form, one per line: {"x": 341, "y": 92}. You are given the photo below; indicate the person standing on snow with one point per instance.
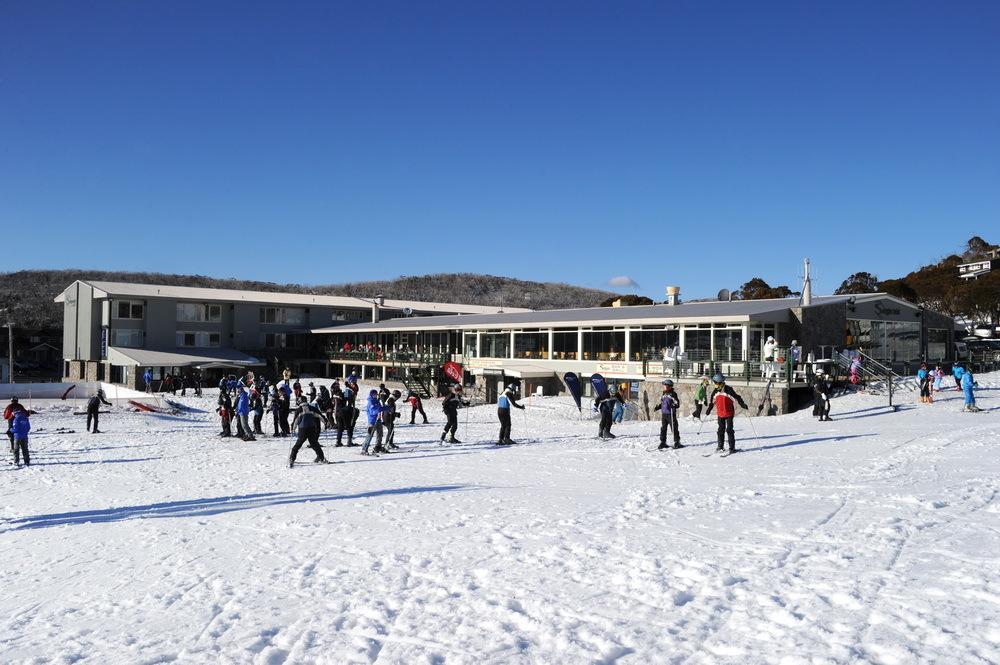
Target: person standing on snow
{"x": 700, "y": 397}
{"x": 450, "y": 406}
{"x": 507, "y": 400}
{"x": 821, "y": 396}
{"x": 307, "y": 424}
{"x": 721, "y": 400}
{"x": 257, "y": 409}
{"x": 957, "y": 371}
{"x": 374, "y": 410}
{"x": 94, "y": 408}
{"x": 389, "y": 419}
{"x": 275, "y": 409}
{"x": 605, "y": 405}
{"x": 20, "y": 426}
{"x": 968, "y": 386}
{"x": 147, "y": 378}
{"x": 245, "y": 431}
{"x": 924, "y": 379}
{"x": 416, "y": 406}
{"x": 383, "y": 393}
{"x": 225, "y": 411}
{"x": 8, "y": 416}
{"x": 668, "y": 407}
{"x": 346, "y": 415}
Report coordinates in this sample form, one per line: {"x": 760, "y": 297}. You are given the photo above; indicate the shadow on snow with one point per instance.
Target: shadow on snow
{"x": 208, "y": 506}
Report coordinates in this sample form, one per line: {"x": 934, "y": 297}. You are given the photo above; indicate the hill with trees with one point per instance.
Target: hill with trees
{"x": 29, "y": 293}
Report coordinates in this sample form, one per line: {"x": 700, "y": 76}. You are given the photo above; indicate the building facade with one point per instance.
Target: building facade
{"x": 115, "y": 331}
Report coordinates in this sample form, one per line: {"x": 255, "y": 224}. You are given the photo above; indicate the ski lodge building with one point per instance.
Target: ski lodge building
{"x": 113, "y": 331}
{"x": 642, "y": 345}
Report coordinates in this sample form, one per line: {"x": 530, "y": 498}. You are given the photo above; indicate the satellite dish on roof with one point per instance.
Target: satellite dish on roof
{"x": 725, "y": 295}
{"x": 407, "y": 311}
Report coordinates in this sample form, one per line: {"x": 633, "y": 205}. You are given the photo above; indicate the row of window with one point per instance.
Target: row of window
{"x": 189, "y": 312}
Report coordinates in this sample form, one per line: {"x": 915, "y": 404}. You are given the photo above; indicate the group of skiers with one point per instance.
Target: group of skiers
{"x": 721, "y": 399}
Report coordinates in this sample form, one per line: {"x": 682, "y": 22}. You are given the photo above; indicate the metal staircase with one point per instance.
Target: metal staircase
{"x": 419, "y": 380}
{"x": 877, "y": 377}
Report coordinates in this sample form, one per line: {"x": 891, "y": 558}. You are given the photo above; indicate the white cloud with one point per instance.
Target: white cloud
{"x": 622, "y": 281}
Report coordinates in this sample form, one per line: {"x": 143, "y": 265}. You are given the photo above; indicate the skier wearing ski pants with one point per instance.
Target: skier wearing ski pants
{"x": 721, "y": 400}
{"x": 957, "y": 371}
{"x": 606, "y": 407}
{"x": 821, "y": 396}
{"x": 94, "y": 408}
{"x": 924, "y": 378}
{"x": 668, "y": 407}
{"x": 389, "y": 416}
{"x": 701, "y": 397}
{"x": 374, "y": 410}
{"x": 968, "y": 386}
{"x": 450, "y": 407}
{"x": 307, "y": 424}
{"x": 345, "y": 417}
{"x": 416, "y": 406}
{"x": 20, "y": 426}
{"x": 8, "y": 416}
{"x": 507, "y": 400}
{"x": 243, "y": 412}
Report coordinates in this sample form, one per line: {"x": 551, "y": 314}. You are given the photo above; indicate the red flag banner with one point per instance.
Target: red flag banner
{"x": 454, "y": 371}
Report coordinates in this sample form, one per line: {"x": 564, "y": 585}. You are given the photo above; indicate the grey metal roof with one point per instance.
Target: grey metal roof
{"x": 736, "y": 310}
{"x": 178, "y": 357}
{"x": 132, "y": 290}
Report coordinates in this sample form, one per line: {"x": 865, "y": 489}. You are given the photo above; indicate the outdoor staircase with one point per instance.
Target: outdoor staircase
{"x": 419, "y": 380}
{"x": 877, "y": 377}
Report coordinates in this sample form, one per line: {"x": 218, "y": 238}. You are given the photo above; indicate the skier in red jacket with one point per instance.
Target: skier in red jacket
{"x": 722, "y": 401}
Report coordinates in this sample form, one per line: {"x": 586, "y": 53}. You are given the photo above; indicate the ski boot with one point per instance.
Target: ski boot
{"x": 662, "y": 446}
{"x": 452, "y": 439}
{"x": 679, "y": 445}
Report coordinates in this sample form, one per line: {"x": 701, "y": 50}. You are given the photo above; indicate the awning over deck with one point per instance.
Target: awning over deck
{"x": 204, "y": 358}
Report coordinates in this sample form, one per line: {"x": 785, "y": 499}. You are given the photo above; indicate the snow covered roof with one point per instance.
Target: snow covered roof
{"x": 131, "y": 290}
{"x": 770, "y": 311}
{"x": 179, "y": 357}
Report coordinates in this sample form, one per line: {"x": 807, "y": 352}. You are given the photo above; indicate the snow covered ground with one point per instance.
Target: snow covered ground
{"x": 872, "y": 538}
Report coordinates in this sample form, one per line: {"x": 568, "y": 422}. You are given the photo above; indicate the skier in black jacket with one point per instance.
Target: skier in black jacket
{"x": 307, "y": 424}
{"x": 606, "y": 406}
{"x": 94, "y": 409}
{"x": 821, "y": 396}
{"x": 389, "y": 419}
{"x": 450, "y": 406}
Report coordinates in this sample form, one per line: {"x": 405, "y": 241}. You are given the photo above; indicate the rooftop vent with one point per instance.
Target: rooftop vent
{"x": 673, "y": 295}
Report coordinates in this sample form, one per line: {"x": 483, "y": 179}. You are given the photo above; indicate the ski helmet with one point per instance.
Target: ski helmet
{"x": 373, "y": 393}
{"x": 718, "y": 378}
{"x": 397, "y": 394}
{"x": 668, "y": 383}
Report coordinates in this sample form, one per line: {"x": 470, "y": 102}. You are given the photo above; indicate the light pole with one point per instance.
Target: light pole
{"x": 10, "y": 346}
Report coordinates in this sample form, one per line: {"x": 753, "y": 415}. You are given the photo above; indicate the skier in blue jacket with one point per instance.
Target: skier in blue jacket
{"x": 243, "y": 412}
{"x": 20, "y": 426}
{"x": 968, "y": 386}
{"x": 505, "y": 401}
{"x": 957, "y": 371}
{"x": 374, "y": 411}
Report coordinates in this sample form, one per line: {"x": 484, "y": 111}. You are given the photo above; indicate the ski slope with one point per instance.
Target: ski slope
{"x": 874, "y": 538}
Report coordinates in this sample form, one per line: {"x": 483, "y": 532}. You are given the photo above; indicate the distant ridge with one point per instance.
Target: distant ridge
{"x": 29, "y": 293}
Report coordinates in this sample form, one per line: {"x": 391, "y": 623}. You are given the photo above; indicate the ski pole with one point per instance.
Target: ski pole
{"x": 756, "y": 438}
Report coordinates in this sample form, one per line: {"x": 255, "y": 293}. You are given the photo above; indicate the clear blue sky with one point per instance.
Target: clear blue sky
{"x": 691, "y": 143}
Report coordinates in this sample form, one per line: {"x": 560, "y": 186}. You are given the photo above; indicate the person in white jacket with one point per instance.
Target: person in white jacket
{"x": 770, "y": 349}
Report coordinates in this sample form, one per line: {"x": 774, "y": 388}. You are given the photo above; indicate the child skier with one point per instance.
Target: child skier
{"x": 507, "y": 400}
{"x": 968, "y": 386}
{"x": 389, "y": 416}
{"x": 668, "y": 408}
{"x": 224, "y": 409}
{"x": 701, "y": 397}
{"x": 20, "y": 426}
{"x": 924, "y": 379}
{"x": 721, "y": 399}
{"x": 346, "y": 415}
